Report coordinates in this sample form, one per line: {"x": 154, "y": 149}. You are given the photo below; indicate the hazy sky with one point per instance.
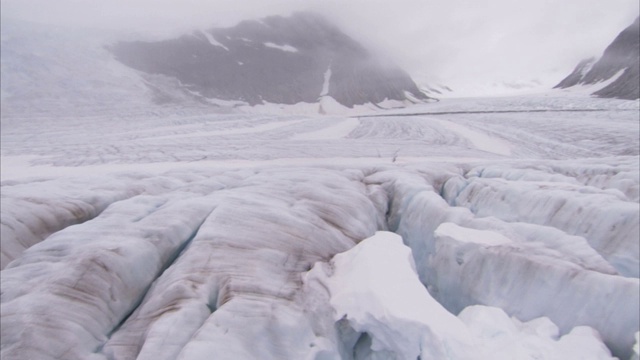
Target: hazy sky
{"x": 454, "y": 41}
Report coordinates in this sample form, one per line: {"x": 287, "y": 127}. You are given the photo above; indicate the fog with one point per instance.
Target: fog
{"x": 461, "y": 43}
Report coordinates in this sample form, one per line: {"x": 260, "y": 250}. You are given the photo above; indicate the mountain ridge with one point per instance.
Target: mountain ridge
{"x": 284, "y": 60}
{"x": 621, "y": 57}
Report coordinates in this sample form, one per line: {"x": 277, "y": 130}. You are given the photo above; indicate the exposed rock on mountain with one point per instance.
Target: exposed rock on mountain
{"x": 621, "y": 60}
{"x": 282, "y": 60}
{"x": 578, "y": 73}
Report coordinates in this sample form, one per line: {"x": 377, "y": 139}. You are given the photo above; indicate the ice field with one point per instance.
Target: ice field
{"x": 469, "y": 228}
{"x": 182, "y": 234}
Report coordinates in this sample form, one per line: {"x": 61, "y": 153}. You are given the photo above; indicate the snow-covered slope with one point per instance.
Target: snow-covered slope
{"x": 620, "y": 64}
{"x": 48, "y": 70}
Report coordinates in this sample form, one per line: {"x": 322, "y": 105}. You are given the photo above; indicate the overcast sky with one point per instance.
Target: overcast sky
{"x": 453, "y": 41}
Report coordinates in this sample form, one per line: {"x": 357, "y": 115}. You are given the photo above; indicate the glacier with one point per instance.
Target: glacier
{"x": 375, "y": 290}
{"x": 180, "y": 263}
{"x": 487, "y": 227}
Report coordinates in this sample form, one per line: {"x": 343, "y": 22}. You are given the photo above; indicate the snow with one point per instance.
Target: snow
{"x": 57, "y": 77}
{"x": 606, "y": 219}
{"x": 487, "y": 238}
{"x": 479, "y": 140}
{"x": 185, "y": 231}
{"x": 340, "y": 130}
{"x": 588, "y": 66}
{"x": 374, "y": 288}
{"x": 227, "y": 216}
{"x": 327, "y": 81}
{"x": 128, "y": 261}
{"x": 582, "y": 88}
{"x": 261, "y": 189}
{"x": 327, "y": 105}
{"x": 462, "y": 273}
{"x": 212, "y": 40}
{"x": 287, "y": 48}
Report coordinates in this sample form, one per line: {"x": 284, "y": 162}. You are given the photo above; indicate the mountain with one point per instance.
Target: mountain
{"x": 621, "y": 60}
{"x": 284, "y": 60}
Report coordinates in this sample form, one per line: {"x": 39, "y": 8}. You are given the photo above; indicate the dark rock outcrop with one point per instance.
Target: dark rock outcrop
{"x": 577, "y": 74}
{"x": 622, "y": 55}
{"x": 282, "y": 60}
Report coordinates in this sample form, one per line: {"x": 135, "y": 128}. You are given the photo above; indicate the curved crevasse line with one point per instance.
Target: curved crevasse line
{"x": 33, "y": 224}
{"x": 170, "y": 261}
{"x": 247, "y": 258}
{"x": 33, "y": 211}
{"x": 103, "y": 278}
{"x": 605, "y": 218}
{"x": 128, "y": 339}
{"x": 619, "y": 179}
{"x": 28, "y": 219}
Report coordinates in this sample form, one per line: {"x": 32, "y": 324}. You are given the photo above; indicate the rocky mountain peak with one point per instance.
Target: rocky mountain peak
{"x": 283, "y": 60}
{"x": 621, "y": 58}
